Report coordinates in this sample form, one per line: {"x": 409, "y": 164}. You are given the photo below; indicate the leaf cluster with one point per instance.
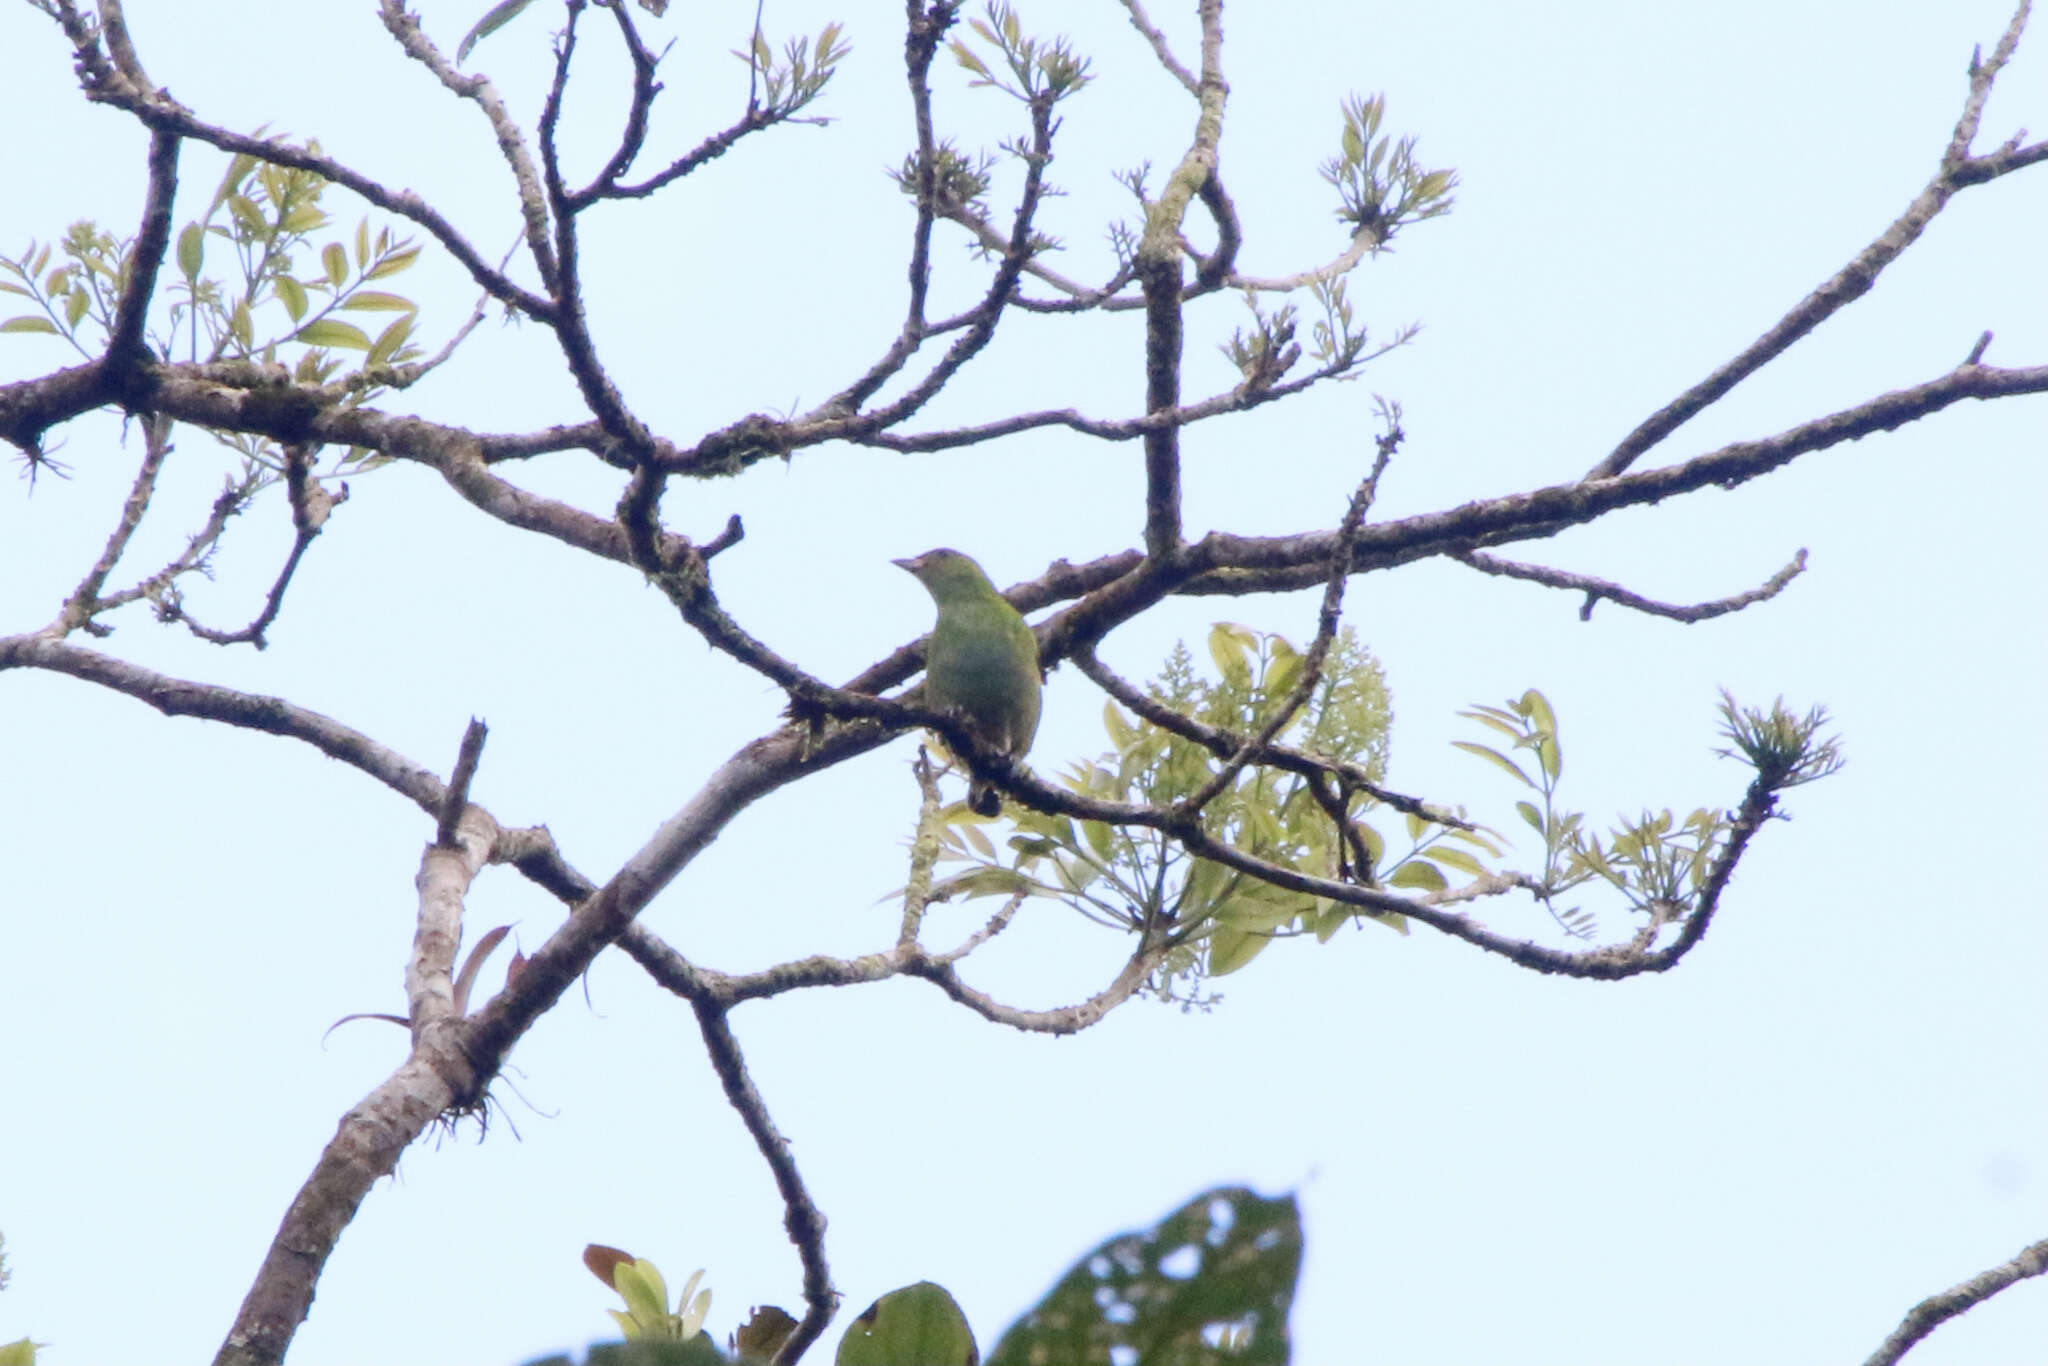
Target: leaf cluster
{"x": 1785, "y": 750}
{"x": 1380, "y": 185}
{"x": 1038, "y": 68}
{"x": 806, "y": 66}
{"x": 266, "y": 216}
{"x": 1213, "y": 919}
{"x": 1658, "y": 862}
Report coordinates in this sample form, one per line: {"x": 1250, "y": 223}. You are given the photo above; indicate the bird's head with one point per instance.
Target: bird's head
{"x": 947, "y": 573}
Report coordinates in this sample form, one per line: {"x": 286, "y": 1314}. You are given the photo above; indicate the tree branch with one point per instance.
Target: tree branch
{"x": 1956, "y": 171}
{"x": 1936, "y": 1310}
{"x": 1596, "y": 589}
{"x": 436, "y": 1077}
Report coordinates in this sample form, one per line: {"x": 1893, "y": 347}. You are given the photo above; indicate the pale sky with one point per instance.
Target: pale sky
{"x": 1836, "y": 1106}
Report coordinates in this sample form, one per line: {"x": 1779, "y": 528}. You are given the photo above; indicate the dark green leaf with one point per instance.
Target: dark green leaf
{"x": 919, "y": 1325}
{"x": 1229, "y": 1258}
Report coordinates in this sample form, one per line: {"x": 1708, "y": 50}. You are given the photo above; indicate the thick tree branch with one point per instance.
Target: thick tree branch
{"x": 436, "y": 1077}
{"x": 1158, "y": 273}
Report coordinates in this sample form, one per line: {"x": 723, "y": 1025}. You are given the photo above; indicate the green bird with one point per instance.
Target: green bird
{"x": 982, "y": 662}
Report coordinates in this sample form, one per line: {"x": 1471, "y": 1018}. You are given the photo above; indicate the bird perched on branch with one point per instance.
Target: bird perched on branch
{"x": 982, "y": 662}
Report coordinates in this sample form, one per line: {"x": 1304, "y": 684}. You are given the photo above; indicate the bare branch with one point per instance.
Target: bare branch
{"x": 1158, "y": 272}
{"x": 1596, "y": 589}
{"x": 79, "y": 609}
{"x": 126, "y": 349}
{"x": 311, "y": 505}
{"x": 1936, "y": 1310}
{"x": 457, "y": 800}
{"x": 1957, "y": 170}
{"x": 405, "y": 28}
{"x": 632, "y": 137}
{"x": 800, "y": 1215}
{"x": 1160, "y": 48}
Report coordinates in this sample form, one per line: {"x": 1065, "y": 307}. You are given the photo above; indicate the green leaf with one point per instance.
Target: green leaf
{"x": 964, "y": 55}
{"x": 374, "y": 301}
{"x": 191, "y": 250}
{"x": 1227, "y": 1257}
{"x": 362, "y": 243}
{"x": 390, "y": 340}
{"x": 331, "y": 332}
{"x": 1459, "y": 859}
{"x": 237, "y": 172}
{"x": 1375, "y": 844}
{"x": 26, "y": 324}
{"x": 1419, "y": 875}
{"x": 1261, "y": 906}
{"x": 396, "y": 261}
{"x": 302, "y": 220}
{"x": 1230, "y": 645}
{"x": 1496, "y": 756}
{"x": 291, "y": 294}
{"x": 75, "y": 304}
{"x": 919, "y": 1325}
{"x": 1530, "y": 814}
{"x": 1513, "y": 732}
{"x": 1231, "y": 948}
{"x": 1122, "y": 733}
{"x": 248, "y": 215}
{"x": 641, "y": 1286}
{"x": 334, "y": 260}
{"x": 764, "y": 1332}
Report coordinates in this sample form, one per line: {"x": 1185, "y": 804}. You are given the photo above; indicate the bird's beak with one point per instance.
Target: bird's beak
{"x": 907, "y": 566}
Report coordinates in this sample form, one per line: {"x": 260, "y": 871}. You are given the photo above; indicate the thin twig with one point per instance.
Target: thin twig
{"x": 1596, "y": 589}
